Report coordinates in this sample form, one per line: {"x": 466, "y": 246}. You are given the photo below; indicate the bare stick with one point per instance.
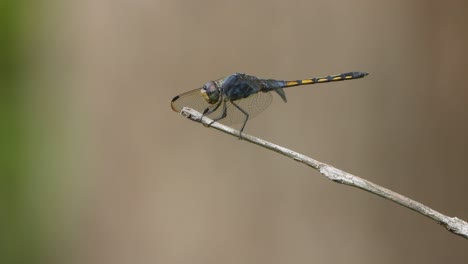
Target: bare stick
{"x": 453, "y": 224}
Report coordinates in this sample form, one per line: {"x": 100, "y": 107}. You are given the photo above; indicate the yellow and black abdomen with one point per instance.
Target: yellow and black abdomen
{"x": 329, "y": 78}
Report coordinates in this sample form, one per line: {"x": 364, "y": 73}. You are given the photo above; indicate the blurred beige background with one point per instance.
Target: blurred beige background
{"x": 130, "y": 181}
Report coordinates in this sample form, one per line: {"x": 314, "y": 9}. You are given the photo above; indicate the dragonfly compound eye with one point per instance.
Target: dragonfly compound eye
{"x": 210, "y": 92}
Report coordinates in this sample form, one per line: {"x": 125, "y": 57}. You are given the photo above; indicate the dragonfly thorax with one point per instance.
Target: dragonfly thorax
{"x": 210, "y": 92}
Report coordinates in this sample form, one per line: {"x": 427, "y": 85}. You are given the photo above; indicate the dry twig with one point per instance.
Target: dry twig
{"x": 453, "y": 224}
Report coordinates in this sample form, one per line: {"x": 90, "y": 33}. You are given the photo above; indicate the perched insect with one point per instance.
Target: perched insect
{"x": 238, "y": 97}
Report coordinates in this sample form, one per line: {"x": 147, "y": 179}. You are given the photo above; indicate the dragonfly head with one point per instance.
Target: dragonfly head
{"x": 210, "y": 92}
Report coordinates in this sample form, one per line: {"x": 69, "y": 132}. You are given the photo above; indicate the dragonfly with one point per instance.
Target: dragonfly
{"x": 239, "y": 97}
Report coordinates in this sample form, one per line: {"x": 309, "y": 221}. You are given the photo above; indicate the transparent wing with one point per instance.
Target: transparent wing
{"x": 194, "y": 99}
{"x": 253, "y": 105}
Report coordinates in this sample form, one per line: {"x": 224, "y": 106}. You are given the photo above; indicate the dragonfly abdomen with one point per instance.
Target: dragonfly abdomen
{"x": 329, "y": 78}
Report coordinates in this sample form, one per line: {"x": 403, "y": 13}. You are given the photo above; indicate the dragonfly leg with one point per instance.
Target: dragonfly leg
{"x": 246, "y": 117}
{"x": 209, "y": 110}
{"x": 222, "y": 116}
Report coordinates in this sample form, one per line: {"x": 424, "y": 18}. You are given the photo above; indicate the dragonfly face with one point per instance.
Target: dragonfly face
{"x": 210, "y": 92}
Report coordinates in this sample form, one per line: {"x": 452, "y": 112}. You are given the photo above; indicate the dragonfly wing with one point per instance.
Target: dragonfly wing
{"x": 194, "y": 99}
{"x": 253, "y": 105}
